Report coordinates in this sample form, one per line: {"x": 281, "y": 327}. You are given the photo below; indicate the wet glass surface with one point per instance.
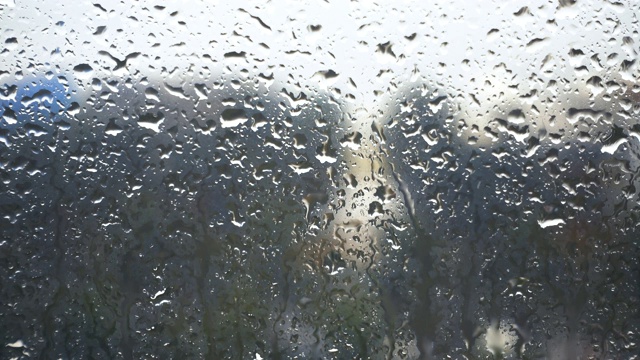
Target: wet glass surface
{"x": 319, "y": 180}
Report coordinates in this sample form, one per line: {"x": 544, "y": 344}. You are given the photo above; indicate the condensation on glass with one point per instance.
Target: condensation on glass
{"x": 319, "y": 180}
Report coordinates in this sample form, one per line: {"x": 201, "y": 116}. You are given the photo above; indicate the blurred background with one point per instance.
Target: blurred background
{"x": 331, "y": 179}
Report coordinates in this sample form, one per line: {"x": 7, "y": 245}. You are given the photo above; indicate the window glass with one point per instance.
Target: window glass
{"x": 326, "y": 179}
